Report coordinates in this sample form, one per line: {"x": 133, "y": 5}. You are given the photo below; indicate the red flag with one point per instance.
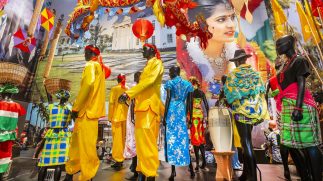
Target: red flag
{"x": 317, "y": 7}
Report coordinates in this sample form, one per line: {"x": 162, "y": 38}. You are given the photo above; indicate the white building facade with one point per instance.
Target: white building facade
{"x": 124, "y": 39}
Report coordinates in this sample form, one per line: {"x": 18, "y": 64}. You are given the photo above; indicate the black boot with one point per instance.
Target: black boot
{"x": 42, "y": 173}
{"x": 202, "y": 149}
{"x": 173, "y": 175}
{"x": 141, "y": 177}
{"x": 284, "y": 155}
{"x": 197, "y": 157}
{"x": 133, "y": 164}
{"x": 249, "y": 160}
{"x": 314, "y": 162}
{"x": 68, "y": 177}
{"x": 57, "y": 173}
{"x": 117, "y": 165}
{"x": 150, "y": 178}
{"x": 191, "y": 170}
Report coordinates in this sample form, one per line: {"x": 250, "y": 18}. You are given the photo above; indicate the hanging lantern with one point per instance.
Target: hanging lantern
{"x": 143, "y": 29}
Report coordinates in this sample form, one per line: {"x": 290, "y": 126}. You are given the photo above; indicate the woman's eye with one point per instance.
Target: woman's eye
{"x": 233, "y": 17}
{"x": 220, "y": 20}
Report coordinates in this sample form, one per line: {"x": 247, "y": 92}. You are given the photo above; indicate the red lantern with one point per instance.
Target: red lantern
{"x": 143, "y": 29}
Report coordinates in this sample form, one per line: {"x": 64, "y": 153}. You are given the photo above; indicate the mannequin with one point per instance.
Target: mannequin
{"x": 57, "y": 136}
{"x": 9, "y": 113}
{"x": 118, "y": 116}
{"x": 88, "y": 107}
{"x": 275, "y": 90}
{"x": 245, "y": 91}
{"x": 178, "y": 104}
{"x": 298, "y": 111}
{"x": 197, "y": 126}
{"x": 130, "y": 146}
{"x": 148, "y": 111}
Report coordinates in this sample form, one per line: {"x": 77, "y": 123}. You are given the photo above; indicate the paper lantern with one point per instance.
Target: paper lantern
{"x": 143, "y": 29}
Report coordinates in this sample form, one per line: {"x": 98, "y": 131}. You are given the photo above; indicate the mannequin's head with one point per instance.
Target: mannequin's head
{"x": 121, "y": 78}
{"x": 8, "y": 90}
{"x": 91, "y": 51}
{"x": 136, "y": 77}
{"x": 63, "y": 96}
{"x": 195, "y": 82}
{"x": 150, "y": 51}
{"x": 285, "y": 45}
{"x": 174, "y": 71}
{"x": 240, "y": 57}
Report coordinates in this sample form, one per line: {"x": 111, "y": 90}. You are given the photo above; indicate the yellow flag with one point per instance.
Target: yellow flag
{"x": 279, "y": 17}
{"x": 307, "y": 24}
{"x": 304, "y": 24}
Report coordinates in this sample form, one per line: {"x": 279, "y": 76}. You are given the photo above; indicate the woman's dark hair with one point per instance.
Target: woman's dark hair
{"x": 206, "y": 8}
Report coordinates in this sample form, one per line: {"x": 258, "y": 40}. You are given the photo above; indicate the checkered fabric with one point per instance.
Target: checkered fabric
{"x": 303, "y": 133}
{"x": 55, "y": 152}
{"x": 58, "y": 115}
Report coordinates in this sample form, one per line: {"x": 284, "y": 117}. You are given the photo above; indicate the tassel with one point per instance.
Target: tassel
{"x": 159, "y": 13}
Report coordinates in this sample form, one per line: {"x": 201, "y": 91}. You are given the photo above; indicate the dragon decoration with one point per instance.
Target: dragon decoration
{"x": 168, "y": 13}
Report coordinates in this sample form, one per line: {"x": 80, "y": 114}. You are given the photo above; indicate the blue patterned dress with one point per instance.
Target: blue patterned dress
{"x": 176, "y": 130}
{"x": 57, "y": 138}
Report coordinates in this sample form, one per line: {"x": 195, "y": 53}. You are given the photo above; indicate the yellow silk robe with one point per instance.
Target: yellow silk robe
{"x": 90, "y": 105}
{"x": 118, "y": 116}
{"x": 147, "y": 111}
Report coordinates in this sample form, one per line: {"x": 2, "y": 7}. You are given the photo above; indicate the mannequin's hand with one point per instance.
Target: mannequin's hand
{"x": 297, "y": 115}
{"x": 74, "y": 115}
{"x": 123, "y": 98}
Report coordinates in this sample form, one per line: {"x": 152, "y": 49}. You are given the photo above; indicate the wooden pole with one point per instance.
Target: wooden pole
{"x": 45, "y": 44}
{"x": 54, "y": 41}
{"x": 310, "y": 61}
{"x": 34, "y": 18}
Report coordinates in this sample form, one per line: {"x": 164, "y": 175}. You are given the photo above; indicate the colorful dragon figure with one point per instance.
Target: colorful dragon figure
{"x": 168, "y": 12}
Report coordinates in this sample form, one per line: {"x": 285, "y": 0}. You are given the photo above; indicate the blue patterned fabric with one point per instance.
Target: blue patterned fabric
{"x": 177, "y": 139}
{"x": 57, "y": 137}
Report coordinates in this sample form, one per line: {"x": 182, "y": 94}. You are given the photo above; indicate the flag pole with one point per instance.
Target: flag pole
{"x": 310, "y": 61}
{"x": 319, "y": 12}
{"x": 315, "y": 40}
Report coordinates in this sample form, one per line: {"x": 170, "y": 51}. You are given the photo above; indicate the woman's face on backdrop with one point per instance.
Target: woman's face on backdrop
{"x": 222, "y": 23}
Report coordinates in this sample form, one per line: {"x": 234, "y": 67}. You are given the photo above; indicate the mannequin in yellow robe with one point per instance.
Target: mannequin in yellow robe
{"x": 147, "y": 111}
{"x": 88, "y": 107}
{"x": 118, "y": 116}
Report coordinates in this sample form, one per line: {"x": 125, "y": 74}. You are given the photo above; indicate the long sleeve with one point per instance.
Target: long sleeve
{"x": 111, "y": 104}
{"x": 87, "y": 83}
{"x": 154, "y": 68}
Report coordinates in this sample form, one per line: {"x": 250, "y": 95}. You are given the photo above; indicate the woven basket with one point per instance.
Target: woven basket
{"x": 53, "y": 85}
{"x": 12, "y": 73}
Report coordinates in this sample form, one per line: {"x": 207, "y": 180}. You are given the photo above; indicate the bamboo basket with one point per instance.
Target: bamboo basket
{"x": 12, "y": 73}
{"x": 55, "y": 84}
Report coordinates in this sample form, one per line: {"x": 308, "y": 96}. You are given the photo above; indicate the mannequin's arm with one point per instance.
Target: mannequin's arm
{"x": 189, "y": 105}
{"x": 166, "y": 106}
{"x": 297, "y": 114}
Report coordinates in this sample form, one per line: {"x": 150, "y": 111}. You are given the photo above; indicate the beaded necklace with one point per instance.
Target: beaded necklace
{"x": 282, "y": 76}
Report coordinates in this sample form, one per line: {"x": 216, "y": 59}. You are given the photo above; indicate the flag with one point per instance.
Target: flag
{"x": 259, "y": 30}
{"x": 307, "y": 24}
{"x": 312, "y": 23}
{"x": 317, "y": 8}
{"x": 23, "y": 42}
{"x": 47, "y": 19}
{"x": 279, "y": 17}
